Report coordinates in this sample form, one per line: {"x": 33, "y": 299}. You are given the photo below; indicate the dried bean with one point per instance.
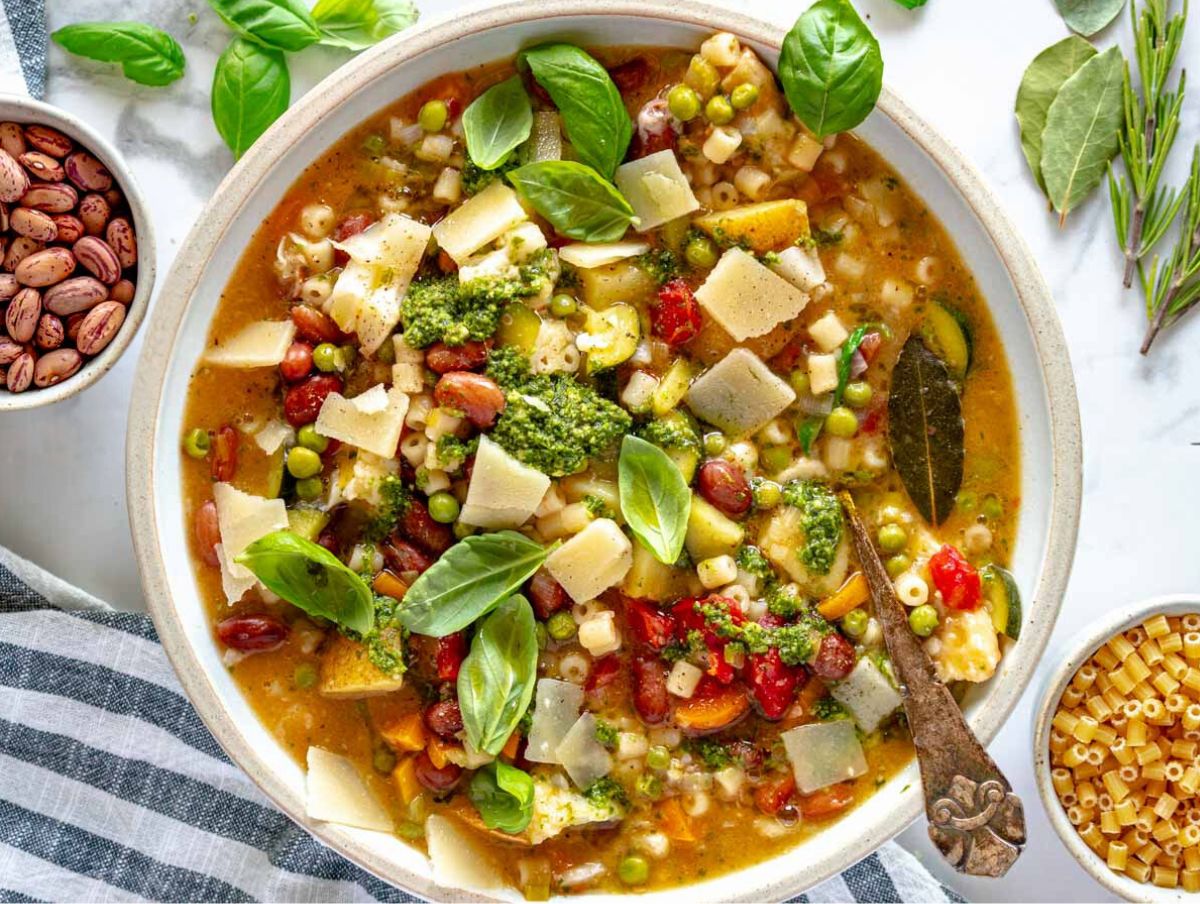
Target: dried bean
{"x": 51, "y": 197}
{"x": 71, "y": 296}
{"x": 21, "y": 318}
{"x": 20, "y": 248}
{"x": 94, "y": 212}
{"x": 42, "y": 166}
{"x": 45, "y": 268}
{"x": 54, "y": 367}
{"x": 122, "y": 241}
{"x": 12, "y": 139}
{"x": 14, "y": 181}
{"x": 34, "y": 224}
{"x": 20, "y": 372}
{"x": 50, "y": 332}
{"x": 49, "y": 141}
{"x": 87, "y": 172}
{"x": 70, "y": 227}
{"x": 97, "y": 257}
{"x": 99, "y": 327}
{"x": 123, "y": 291}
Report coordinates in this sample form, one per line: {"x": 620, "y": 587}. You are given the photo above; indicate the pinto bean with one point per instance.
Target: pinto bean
{"x": 477, "y": 396}
{"x": 442, "y": 358}
{"x": 655, "y": 130}
{"x": 436, "y": 780}
{"x": 631, "y": 75}
{"x": 444, "y": 719}
{"x": 725, "y": 486}
{"x": 403, "y": 557}
{"x": 252, "y": 633}
{"x": 835, "y": 658}
{"x": 650, "y": 697}
{"x": 315, "y": 326}
{"x": 418, "y": 525}
{"x": 207, "y": 533}
{"x": 303, "y": 401}
{"x": 297, "y": 362}
{"x": 546, "y": 594}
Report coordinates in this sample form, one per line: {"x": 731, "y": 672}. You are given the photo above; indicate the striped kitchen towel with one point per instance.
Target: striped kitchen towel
{"x": 23, "y": 47}
{"x": 111, "y": 789}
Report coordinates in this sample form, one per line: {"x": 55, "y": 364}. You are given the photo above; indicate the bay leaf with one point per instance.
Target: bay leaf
{"x": 1082, "y": 130}
{"x": 925, "y": 430}
{"x": 1086, "y": 17}
{"x": 1039, "y": 86}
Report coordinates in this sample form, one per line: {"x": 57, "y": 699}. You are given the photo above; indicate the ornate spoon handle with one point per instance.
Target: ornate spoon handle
{"x": 974, "y": 818}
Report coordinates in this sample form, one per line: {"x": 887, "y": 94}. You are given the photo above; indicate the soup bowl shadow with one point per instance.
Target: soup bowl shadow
{"x": 1002, "y": 264}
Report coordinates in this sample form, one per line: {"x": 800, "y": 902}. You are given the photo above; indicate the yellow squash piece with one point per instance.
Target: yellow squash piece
{"x": 405, "y": 778}
{"x": 848, "y": 597}
{"x": 763, "y": 227}
{"x": 347, "y": 673}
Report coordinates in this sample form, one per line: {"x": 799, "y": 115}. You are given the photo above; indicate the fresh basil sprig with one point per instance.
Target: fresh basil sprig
{"x": 831, "y": 68}
{"x": 503, "y": 795}
{"x": 470, "y": 579}
{"x": 147, "y": 55}
{"x": 497, "y": 122}
{"x": 251, "y": 89}
{"x": 911, "y": 4}
{"x": 358, "y": 24}
{"x": 311, "y": 578}
{"x": 495, "y": 682}
{"x": 576, "y": 199}
{"x": 593, "y": 113}
{"x": 278, "y": 24}
{"x": 655, "y": 498}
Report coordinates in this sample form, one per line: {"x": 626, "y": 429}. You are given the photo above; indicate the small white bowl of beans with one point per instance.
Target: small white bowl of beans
{"x": 76, "y": 255}
{"x": 1117, "y": 750}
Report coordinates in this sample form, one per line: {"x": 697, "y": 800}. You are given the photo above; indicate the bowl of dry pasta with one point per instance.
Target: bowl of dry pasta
{"x": 1117, "y": 750}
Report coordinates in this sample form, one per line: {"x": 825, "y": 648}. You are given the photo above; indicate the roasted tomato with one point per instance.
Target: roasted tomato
{"x": 955, "y": 578}
{"x": 676, "y": 318}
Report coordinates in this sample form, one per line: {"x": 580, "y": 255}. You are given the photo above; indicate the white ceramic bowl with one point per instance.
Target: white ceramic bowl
{"x": 1003, "y": 266}
{"x": 1072, "y": 654}
{"x": 16, "y": 108}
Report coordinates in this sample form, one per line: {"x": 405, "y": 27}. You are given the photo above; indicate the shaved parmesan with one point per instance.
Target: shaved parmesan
{"x": 823, "y": 754}
{"x": 337, "y": 793}
{"x": 584, "y": 758}
{"x": 585, "y": 256}
{"x": 503, "y": 491}
{"x": 479, "y": 221}
{"x": 261, "y": 344}
{"x": 233, "y": 586}
{"x": 555, "y": 709}
{"x": 739, "y": 393}
{"x": 242, "y": 519}
{"x": 274, "y": 435}
{"x": 867, "y": 695}
{"x": 458, "y": 859}
{"x": 656, "y": 189}
{"x": 393, "y": 241}
{"x": 746, "y": 298}
{"x": 596, "y": 558}
{"x": 371, "y": 421}
{"x": 801, "y": 267}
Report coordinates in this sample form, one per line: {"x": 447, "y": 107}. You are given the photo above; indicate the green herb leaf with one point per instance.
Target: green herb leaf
{"x": 311, "y": 578}
{"x": 495, "y": 683}
{"x": 925, "y": 430}
{"x": 251, "y": 89}
{"x": 655, "y": 498}
{"x": 1082, "y": 130}
{"x": 593, "y": 113}
{"x": 497, "y": 122}
{"x": 576, "y": 200}
{"x": 1086, "y": 17}
{"x": 1039, "y": 86}
{"x": 359, "y": 24}
{"x": 503, "y": 795}
{"x": 846, "y": 359}
{"x": 278, "y": 24}
{"x": 831, "y": 68}
{"x": 808, "y": 431}
{"x": 470, "y": 579}
{"x": 911, "y": 4}
{"x": 147, "y": 55}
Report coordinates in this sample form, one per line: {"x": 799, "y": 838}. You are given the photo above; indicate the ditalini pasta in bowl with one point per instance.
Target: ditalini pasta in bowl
{"x": 485, "y": 457}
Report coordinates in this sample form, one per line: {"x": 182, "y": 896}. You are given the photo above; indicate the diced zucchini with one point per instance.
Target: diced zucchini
{"x": 519, "y": 327}
{"x": 948, "y": 333}
{"x": 1000, "y": 588}
{"x": 307, "y": 522}
{"x": 672, "y": 387}
{"x": 686, "y": 460}
{"x": 710, "y": 533}
{"x": 612, "y": 336}
{"x": 276, "y": 473}
{"x": 623, "y": 281}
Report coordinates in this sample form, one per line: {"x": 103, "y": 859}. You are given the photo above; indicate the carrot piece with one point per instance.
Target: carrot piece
{"x": 849, "y": 596}
{"x": 387, "y": 584}
{"x": 405, "y": 733}
{"x": 405, "y": 777}
{"x": 811, "y": 693}
{"x": 827, "y": 801}
{"x": 723, "y": 706}
{"x": 511, "y": 746}
{"x": 772, "y": 794}
{"x": 676, "y": 824}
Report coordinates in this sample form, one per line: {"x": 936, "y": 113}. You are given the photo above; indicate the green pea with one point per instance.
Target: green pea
{"x": 767, "y": 494}
{"x": 775, "y": 458}
{"x": 841, "y": 422}
{"x": 375, "y": 145}
{"x": 718, "y": 110}
{"x": 892, "y": 538}
{"x": 433, "y": 115}
{"x": 303, "y": 463}
{"x": 310, "y": 488}
{"x": 540, "y": 635}
{"x": 462, "y": 530}
{"x": 649, "y": 786}
{"x": 897, "y": 565}
{"x": 743, "y": 96}
{"x": 683, "y": 102}
{"x": 384, "y": 760}
{"x": 658, "y": 757}
{"x": 326, "y": 357}
{"x": 196, "y": 443}
{"x": 443, "y": 508}
{"x": 563, "y": 305}
{"x": 714, "y": 443}
{"x": 854, "y": 622}
{"x": 966, "y": 500}
{"x": 700, "y": 252}
{"x": 305, "y": 675}
{"x": 992, "y": 507}
{"x": 634, "y": 870}
{"x": 923, "y": 620}
{"x": 799, "y": 380}
{"x": 561, "y": 626}
{"x": 308, "y": 437}
{"x": 858, "y": 394}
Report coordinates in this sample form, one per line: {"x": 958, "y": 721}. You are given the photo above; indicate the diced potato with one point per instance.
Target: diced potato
{"x": 503, "y": 492}
{"x": 585, "y": 256}
{"x": 598, "y": 634}
{"x": 347, "y": 673}
{"x": 261, "y": 344}
{"x": 684, "y": 678}
{"x": 767, "y": 226}
{"x": 656, "y": 189}
{"x": 596, "y": 558}
{"x": 739, "y": 394}
{"x": 828, "y": 331}
{"x": 747, "y": 298}
{"x": 479, "y": 221}
{"x": 781, "y": 541}
{"x": 867, "y": 695}
{"x": 710, "y": 533}
{"x": 372, "y": 420}
{"x": 823, "y": 754}
{"x": 623, "y": 281}
{"x": 337, "y": 793}
{"x": 650, "y": 579}
{"x": 964, "y": 646}
{"x": 822, "y": 373}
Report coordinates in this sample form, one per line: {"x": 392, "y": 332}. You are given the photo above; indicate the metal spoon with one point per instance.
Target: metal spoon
{"x": 974, "y": 818}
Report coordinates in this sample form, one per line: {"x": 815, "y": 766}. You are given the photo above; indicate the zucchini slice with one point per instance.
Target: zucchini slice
{"x": 307, "y": 522}
{"x": 1000, "y": 590}
{"x": 947, "y": 332}
{"x": 612, "y": 335}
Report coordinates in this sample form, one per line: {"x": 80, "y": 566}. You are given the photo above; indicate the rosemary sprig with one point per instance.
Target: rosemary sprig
{"x": 1172, "y": 287}
{"x": 1143, "y": 210}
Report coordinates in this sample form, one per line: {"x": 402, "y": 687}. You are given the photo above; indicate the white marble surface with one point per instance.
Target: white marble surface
{"x": 957, "y": 63}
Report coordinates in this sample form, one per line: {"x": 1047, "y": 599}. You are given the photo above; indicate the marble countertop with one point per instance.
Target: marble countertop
{"x": 958, "y": 65}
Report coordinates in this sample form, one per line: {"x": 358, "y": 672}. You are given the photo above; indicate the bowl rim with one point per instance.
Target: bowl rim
{"x": 226, "y": 205}
{"x": 135, "y": 311}
{"x": 1071, "y": 654}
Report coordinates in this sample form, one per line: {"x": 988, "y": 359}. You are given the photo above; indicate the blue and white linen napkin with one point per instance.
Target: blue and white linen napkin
{"x": 22, "y": 47}
{"x": 111, "y": 789}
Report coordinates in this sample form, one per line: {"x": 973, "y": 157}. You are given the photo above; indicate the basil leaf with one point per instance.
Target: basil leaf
{"x": 808, "y": 431}
{"x": 495, "y": 683}
{"x": 846, "y": 359}
{"x": 1086, "y": 17}
{"x": 1082, "y": 130}
{"x": 655, "y": 498}
{"x": 278, "y": 24}
{"x": 593, "y": 113}
{"x": 831, "y": 68}
{"x": 358, "y": 24}
{"x": 1039, "y": 86}
{"x": 470, "y": 579}
{"x": 147, "y": 56}
{"x": 503, "y": 795}
{"x": 496, "y": 122}
{"x": 311, "y": 578}
{"x": 575, "y": 199}
{"x": 911, "y": 4}
{"x": 251, "y": 89}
